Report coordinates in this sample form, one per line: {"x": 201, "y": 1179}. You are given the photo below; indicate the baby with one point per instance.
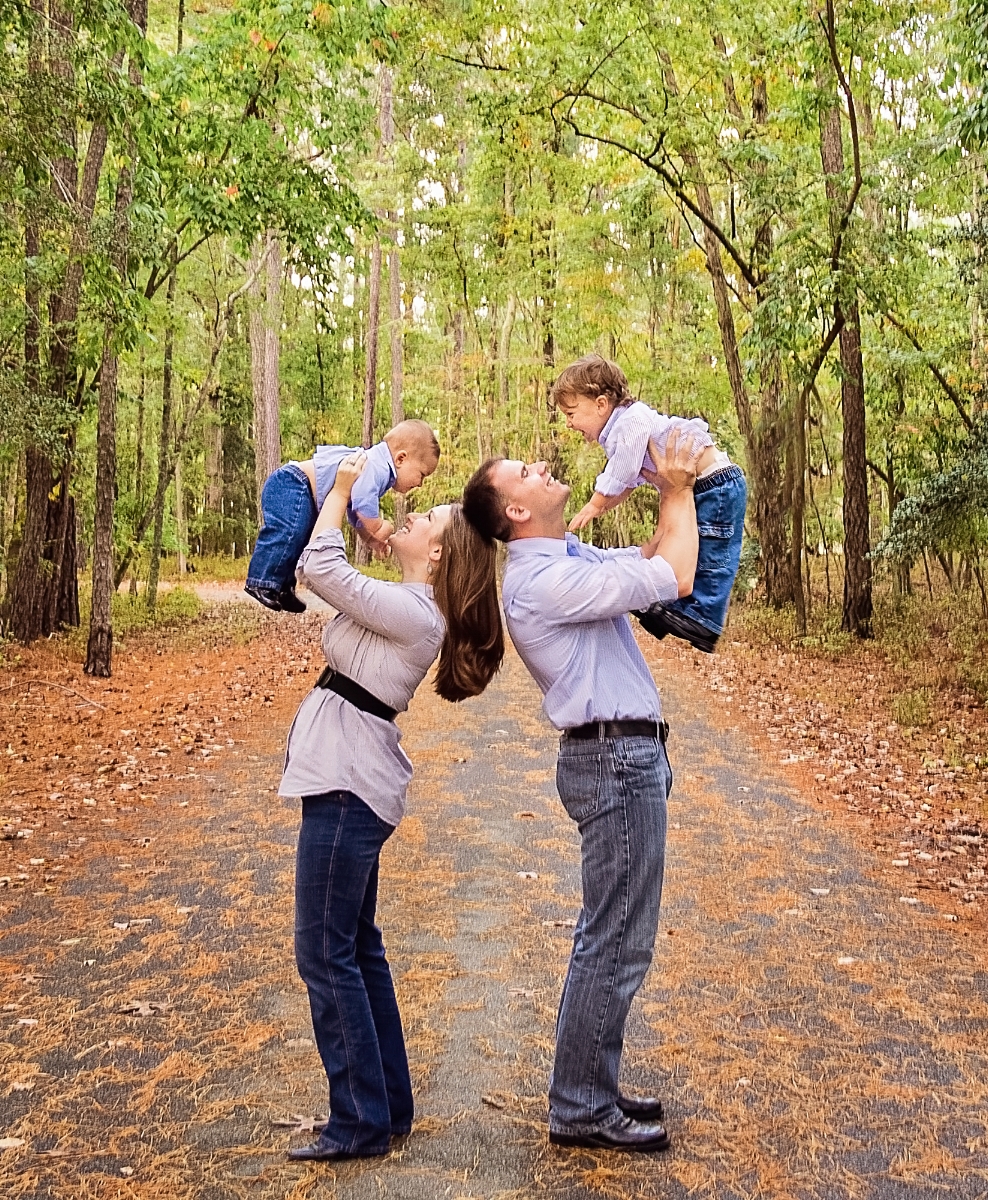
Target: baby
{"x": 593, "y": 396}
{"x": 293, "y": 495}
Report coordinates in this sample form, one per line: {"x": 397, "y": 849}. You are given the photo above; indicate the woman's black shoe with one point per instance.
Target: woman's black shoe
{"x": 641, "y": 1108}
{"x": 269, "y": 597}
{"x": 629, "y": 1135}
{"x": 316, "y": 1152}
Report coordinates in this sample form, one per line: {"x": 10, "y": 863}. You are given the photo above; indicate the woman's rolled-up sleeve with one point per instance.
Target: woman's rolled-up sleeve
{"x": 386, "y": 608}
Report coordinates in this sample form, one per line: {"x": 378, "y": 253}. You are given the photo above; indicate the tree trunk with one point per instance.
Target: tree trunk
{"x": 272, "y": 346}
{"x": 164, "y": 437}
{"x": 763, "y": 443}
{"x": 180, "y": 524}
{"x": 397, "y": 361}
{"x": 99, "y": 650}
{"x": 214, "y": 477}
{"x": 373, "y": 328}
{"x": 857, "y": 610}
{"x": 25, "y": 603}
{"x": 258, "y": 372}
{"x": 797, "y": 453}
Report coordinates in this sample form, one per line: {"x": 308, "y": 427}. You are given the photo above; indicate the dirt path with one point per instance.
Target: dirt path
{"x": 812, "y": 1034}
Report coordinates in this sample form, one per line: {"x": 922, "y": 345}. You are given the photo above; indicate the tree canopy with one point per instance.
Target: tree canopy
{"x": 771, "y": 215}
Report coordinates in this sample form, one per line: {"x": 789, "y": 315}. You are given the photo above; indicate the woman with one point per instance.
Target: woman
{"x": 345, "y": 761}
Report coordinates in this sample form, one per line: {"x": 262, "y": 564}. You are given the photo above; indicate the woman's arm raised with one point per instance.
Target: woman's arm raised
{"x": 385, "y": 608}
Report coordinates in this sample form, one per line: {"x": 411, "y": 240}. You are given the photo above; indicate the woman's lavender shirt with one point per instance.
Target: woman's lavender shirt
{"x": 385, "y": 636}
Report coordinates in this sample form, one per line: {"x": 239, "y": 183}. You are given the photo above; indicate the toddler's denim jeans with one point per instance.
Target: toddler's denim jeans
{"x": 615, "y": 789}
{"x": 289, "y": 514}
{"x": 721, "y": 500}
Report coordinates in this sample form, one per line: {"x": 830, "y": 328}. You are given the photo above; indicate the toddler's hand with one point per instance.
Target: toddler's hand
{"x": 586, "y": 514}
{"x": 348, "y": 472}
{"x": 379, "y": 542}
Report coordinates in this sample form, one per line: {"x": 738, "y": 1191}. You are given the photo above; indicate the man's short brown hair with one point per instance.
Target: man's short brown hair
{"x": 593, "y": 376}
{"x": 484, "y": 506}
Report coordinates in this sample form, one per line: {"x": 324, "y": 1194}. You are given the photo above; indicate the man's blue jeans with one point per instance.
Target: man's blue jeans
{"x": 615, "y": 789}
{"x": 340, "y": 956}
{"x": 289, "y": 514}
{"x": 721, "y": 500}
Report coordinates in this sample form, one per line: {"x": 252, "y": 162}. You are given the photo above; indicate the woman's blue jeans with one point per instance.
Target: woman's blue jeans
{"x": 615, "y": 789}
{"x": 340, "y": 956}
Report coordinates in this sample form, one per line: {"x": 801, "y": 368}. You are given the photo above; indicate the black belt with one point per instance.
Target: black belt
{"x": 619, "y": 729}
{"x": 351, "y": 691}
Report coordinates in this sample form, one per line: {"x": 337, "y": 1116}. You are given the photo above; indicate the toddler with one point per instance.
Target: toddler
{"x": 293, "y": 495}
{"x": 593, "y": 396}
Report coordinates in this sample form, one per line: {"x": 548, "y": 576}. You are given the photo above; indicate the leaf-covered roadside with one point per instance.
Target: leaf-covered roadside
{"x": 78, "y": 756}
{"x": 918, "y": 795}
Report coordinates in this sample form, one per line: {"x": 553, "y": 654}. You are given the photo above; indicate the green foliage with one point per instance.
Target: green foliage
{"x": 949, "y": 509}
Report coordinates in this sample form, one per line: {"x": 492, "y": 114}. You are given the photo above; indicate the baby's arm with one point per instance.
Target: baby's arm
{"x": 597, "y": 505}
{"x": 375, "y": 531}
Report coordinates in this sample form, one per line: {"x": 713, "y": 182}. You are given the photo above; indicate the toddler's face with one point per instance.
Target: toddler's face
{"x": 586, "y": 414}
{"x": 411, "y": 469}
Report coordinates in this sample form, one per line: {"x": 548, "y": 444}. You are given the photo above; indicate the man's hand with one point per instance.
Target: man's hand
{"x": 675, "y": 470}
{"x": 675, "y": 537}
{"x": 348, "y": 472}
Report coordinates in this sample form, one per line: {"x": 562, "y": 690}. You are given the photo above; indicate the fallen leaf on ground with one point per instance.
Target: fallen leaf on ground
{"x": 298, "y": 1123}
{"x": 145, "y": 1008}
{"x": 819, "y": 891}
{"x": 10, "y": 1143}
{"x": 525, "y": 815}
{"x": 528, "y": 874}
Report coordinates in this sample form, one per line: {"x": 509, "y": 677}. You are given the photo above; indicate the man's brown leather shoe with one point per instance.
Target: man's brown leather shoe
{"x": 627, "y": 1134}
{"x": 641, "y": 1108}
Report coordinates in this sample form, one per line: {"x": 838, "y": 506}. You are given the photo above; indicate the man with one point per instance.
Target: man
{"x": 566, "y": 605}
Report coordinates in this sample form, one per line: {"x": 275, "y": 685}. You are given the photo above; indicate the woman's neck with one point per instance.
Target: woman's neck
{"x": 415, "y": 573}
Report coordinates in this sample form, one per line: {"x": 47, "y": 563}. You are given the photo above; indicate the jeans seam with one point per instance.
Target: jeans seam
{"x": 330, "y": 975}
{"x": 619, "y": 941}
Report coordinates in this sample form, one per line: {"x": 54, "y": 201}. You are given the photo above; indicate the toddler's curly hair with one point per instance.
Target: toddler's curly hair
{"x": 592, "y": 375}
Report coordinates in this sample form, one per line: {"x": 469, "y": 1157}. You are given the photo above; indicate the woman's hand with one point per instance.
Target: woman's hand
{"x": 348, "y": 472}
{"x": 675, "y": 470}
{"x": 335, "y": 505}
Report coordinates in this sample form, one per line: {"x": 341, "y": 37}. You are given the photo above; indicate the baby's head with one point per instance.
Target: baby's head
{"x": 415, "y": 452}
{"x": 588, "y": 391}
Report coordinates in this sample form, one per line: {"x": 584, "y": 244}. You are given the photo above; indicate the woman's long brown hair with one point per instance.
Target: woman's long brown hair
{"x": 465, "y": 588}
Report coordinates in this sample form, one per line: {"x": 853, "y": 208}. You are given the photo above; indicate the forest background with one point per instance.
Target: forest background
{"x": 233, "y": 231}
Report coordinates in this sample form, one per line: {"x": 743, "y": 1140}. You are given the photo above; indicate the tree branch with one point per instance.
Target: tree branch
{"x": 830, "y": 29}
{"x": 937, "y": 374}
{"x": 674, "y": 186}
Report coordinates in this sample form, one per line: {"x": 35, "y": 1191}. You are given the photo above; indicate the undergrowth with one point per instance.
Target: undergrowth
{"x": 932, "y": 643}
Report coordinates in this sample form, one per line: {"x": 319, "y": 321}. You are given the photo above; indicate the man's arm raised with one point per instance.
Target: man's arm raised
{"x": 675, "y": 539}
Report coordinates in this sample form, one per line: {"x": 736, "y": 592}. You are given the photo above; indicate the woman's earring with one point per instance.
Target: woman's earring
{"x": 428, "y": 568}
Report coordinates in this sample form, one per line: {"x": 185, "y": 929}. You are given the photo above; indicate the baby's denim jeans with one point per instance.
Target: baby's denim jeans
{"x": 289, "y": 514}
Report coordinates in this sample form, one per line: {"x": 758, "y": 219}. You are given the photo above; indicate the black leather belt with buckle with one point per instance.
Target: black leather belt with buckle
{"x": 353, "y": 693}
{"x": 598, "y": 730}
